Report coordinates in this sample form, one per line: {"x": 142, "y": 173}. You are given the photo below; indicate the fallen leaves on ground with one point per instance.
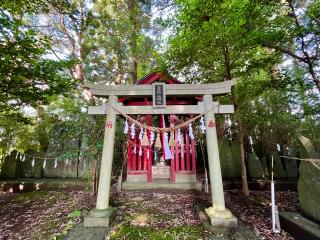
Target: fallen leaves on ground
{"x": 166, "y": 209}
{"x": 41, "y": 215}
{"x": 255, "y": 211}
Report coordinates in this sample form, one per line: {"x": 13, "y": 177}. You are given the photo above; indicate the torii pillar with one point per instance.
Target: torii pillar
{"x": 103, "y": 213}
{"x": 218, "y": 214}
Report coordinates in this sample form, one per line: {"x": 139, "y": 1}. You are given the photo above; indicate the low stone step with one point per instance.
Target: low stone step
{"x": 160, "y": 184}
{"x": 299, "y": 226}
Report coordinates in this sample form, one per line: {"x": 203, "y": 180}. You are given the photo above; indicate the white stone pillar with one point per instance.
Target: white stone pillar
{"x": 218, "y": 214}
{"x": 102, "y": 214}
{"x": 213, "y": 155}
{"x": 107, "y": 157}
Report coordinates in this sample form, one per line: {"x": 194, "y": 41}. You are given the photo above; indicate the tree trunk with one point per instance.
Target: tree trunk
{"x": 119, "y": 66}
{"x": 302, "y": 35}
{"x": 314, "y": 76}
{"x": 79, "y": 153}
{"x": 243, "y": 167}
{"x": 134, "y": 69}
{"x": 245, "y": 187}
{"x": 43, "y": 135}
{"x": 132, "y": 9}
{"x": 123, "y": 168}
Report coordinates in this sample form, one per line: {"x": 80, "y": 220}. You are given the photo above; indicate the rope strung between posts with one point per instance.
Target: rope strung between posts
{"x": 160, "y": 130}
{"x": 44, "y": 158}
{"x": 22, "y": 157}
{"x": 303, "y": 159}
{"x": 313, "y": 161}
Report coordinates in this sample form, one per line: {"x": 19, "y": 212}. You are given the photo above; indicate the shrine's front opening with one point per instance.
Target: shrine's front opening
{"x": 170, "y": 163}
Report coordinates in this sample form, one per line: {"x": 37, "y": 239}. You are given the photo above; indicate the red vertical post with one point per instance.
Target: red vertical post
{"x": 172, "y": 168}
{"x": 182, "y": 153}
{"x": 139, "y": 157}
{"x": 187, "y": 151}
{"x": 193, "y": 153}
{"x": 193, "y": 156}
{"x": 176, "y": 151}
{"x": 129, "y": 156}
{"x": 149, "y": 175}
{"x": 145, "y": 158}
{"x": 134, "y": 154}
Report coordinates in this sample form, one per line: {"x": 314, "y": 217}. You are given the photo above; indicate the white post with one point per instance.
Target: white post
{"x": 103, "y": 213}
{"x": 274, "y": 210}
{"x": 107, "y": 157}
{"x": 218, "y": 214}
{"x": 213, "y": 155}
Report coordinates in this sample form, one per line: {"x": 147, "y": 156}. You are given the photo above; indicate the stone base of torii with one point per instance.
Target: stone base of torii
{"x": 217, "y": 214}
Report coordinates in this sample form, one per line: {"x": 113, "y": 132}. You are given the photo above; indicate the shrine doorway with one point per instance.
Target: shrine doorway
{"x": 168, "y": 164}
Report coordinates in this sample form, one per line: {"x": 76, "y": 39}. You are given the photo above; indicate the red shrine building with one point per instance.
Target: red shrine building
{"x": 148, "y": 166}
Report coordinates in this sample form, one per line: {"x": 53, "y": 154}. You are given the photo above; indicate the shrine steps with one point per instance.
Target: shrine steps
{"x": 161, "y": 184}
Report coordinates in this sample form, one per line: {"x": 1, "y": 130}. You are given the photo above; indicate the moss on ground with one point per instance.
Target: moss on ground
{"x": 23, "y": 197}
{"x": 137, "y": 232}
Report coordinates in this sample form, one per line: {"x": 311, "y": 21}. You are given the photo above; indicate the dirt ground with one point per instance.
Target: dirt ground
{"x": 140, "y": 215}
{"x": 173, "y": 214}
{"x": 41, "y": 215}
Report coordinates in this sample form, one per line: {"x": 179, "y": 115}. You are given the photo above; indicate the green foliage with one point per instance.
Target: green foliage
{"x": 27, "y": 78}
{"x": 216, "y": 41}
{"x": 74, "y": 214}
{"x": 15, "y": 135}
{"x": 119, "y": 38}
{"x": 207, "y": 46}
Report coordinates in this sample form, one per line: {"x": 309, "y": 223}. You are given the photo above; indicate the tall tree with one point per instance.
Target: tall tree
{"x": 66, "y": 26}
{"x": 292, "y": 27}
{"x": 213, "y": 43}
{"x": 123, "y": 50}
{"x": 27, "y": 77}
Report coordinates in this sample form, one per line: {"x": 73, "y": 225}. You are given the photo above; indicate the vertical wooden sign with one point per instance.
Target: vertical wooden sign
{"x": 159, "y": 95}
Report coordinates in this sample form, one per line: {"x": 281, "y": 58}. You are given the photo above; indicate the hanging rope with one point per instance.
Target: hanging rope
{"x": 38, "y": 157}
{"x": 161, "y": 130}
{"x": 313, "y": 161}
{"x": 302, "y": 159}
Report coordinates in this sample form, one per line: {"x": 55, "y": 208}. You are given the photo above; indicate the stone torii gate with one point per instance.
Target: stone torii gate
{"x": 217, "y": 213}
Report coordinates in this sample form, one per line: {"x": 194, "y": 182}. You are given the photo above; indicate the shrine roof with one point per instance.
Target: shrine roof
{"x": 158, "y": 77}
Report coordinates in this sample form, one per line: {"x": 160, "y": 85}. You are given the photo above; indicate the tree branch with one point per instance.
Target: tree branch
{"x": 286, "y": 51}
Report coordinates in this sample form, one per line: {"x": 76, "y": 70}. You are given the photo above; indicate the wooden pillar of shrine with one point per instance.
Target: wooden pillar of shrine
{"x": 176, "y": 152}
{"x": 187, "y": 151}
{"x": 149, "y": 160}
{"x": 172, "y": 148}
